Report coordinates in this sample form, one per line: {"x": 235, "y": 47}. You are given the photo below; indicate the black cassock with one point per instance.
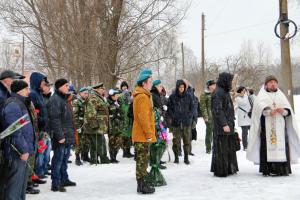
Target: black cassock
{"x": 272, "y": 168}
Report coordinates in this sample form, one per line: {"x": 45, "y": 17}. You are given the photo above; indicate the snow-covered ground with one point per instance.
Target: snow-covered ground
{"x": 117, "y": 181}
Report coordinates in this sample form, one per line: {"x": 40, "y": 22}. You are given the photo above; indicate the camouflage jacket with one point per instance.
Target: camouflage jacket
{"x": 125, "y": 102}
{"x": 115, "y": 117}
{"x": 96, "y": 115}
{"x": 205, "y": 105}
{"x": 78, "y": 111}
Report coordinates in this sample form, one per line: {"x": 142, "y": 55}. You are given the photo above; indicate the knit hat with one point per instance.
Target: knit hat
{"x": 99, "y": 85}
{"x": 60, "y": 82}
{"x": 18, "y": 85}
{"x": 270, "y": 78}
{"x": 83, "y": 89}
{"x": 156, "y": 82}
{"x": 210, "y": 82}
{"x": 10, "y": 74}
{"x": 124, "y": 83}
{"x": 144, "y": 74}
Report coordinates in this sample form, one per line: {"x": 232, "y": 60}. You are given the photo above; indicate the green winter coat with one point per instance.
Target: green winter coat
{"x": 96, "y": 115}
{"x": 125, "y": 102}
{"x": 205, "y": 105}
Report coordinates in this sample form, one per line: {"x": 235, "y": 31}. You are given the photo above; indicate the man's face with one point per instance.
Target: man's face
{"x": 181, "y": 89}
{"x": 43, "y": 85}
{"x": 8, "y": 82}
{"x": 272, "y": 85}
{"x": 115, "y": 97}
{"x": 212, "y": 87}
{"x": 24, "y": 92}
{"x": 65, "y": 88}
{"x": 46, "y": 89}
{"x": 100, "y": 90}
{"x": 148, "y": 84}
{"x": 84, "y": 94}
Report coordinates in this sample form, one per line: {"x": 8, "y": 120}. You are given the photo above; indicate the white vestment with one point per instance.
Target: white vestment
{"x": 275, "y": 152}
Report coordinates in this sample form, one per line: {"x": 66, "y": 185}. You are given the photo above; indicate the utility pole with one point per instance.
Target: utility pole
{"x": 183, "y": 68}
{"x": 202, "y": 50}
{"x": 23, "y": 55}
{"x": 286, "y": 69}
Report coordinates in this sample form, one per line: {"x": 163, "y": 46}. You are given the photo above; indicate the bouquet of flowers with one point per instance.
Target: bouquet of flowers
{"x": 157, "y": 150}
{"x": 22, "y": 121}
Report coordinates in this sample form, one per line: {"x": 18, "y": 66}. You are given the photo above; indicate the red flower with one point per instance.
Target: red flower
{"x": 22, "y": 121}
{"x": 37, "y": 111}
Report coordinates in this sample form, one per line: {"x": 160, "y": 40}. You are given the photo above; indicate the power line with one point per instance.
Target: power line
{"x": 244, "y": 28}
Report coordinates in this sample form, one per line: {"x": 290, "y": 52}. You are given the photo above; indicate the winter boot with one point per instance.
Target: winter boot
{"x": 104, "y": 160}
{"x": 78, "y": 161}
{"x": 186, "y": 159}
{"x": 176, "y": 158}
{"x": 144, "y": 188}
{"x": 113, "y": 157}
{"x": 85, "y": 157}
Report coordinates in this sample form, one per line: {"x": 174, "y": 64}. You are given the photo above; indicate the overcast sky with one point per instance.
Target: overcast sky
{"x": 230, "y": 22}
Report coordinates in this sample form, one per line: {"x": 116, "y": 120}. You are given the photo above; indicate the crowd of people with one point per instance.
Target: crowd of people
{"x": 41, "y": 117}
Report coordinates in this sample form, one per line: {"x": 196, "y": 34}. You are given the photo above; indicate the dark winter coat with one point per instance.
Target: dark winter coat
{"x": 222, "y": 107}
{"x": 156, "y": 98}
{"x": 24, "y": 138}
{"x": 60, "y": 118}
{"x": 191, "y": 92}
{"x": 37, "y": 98}
{"x": 180, "y": 107}
{"x": 4, "y": 94}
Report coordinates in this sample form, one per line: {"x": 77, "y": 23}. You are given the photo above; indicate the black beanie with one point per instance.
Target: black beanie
{"x": 60, "y": 82}
{"x": 18, "y": 85}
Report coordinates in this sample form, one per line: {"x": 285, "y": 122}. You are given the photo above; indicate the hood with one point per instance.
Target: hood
{"x": 36, "y": 79}
{"x": 178, "y": 83}
{"x": 225, "y": 81}
{"x": 140, "y": 90}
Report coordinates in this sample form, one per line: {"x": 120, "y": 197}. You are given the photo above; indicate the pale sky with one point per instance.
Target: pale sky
{"x": 230, "y": 22}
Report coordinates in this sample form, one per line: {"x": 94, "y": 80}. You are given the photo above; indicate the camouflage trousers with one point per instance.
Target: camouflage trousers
{"x": 208, "y": 136}
{"x": 98, "y": 147}
{"x": 185, "y": 134}
{"x": 31, "y": 163}
{"x": 142, "y": 150}
{"x": 114, "y": 143}
{"x": 127, "y": 143}
{"x": 84, "y": 144}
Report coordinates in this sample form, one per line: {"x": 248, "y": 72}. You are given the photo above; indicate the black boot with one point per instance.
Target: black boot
{"x": 113, "y": 156}
{"x": 31, "y": 190}
{"x": 78, "y": 161}
{"x": 186, "y": 159}
{"x": 144, "y": 188}
{"x": 85, "y": 157}
{"x": 176, "y": 158}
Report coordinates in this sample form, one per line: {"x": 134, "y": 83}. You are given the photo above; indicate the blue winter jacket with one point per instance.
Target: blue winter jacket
{"x": 37, "y": 99}
{"x": 24, "y": 138}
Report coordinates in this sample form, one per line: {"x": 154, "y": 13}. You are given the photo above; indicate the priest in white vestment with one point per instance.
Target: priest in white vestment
{"x": 274, "y": 137}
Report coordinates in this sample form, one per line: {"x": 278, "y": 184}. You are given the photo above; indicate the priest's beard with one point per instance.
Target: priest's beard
{"x": 272, "y": 89}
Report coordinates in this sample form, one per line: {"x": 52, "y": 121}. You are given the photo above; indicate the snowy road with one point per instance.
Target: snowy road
{"x": 117, "y": 181}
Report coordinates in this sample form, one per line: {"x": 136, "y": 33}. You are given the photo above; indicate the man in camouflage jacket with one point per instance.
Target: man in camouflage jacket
{"x": 96, "y": 123}
{"x": 205, "y": 106}
{"x": 79, "y": 104}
